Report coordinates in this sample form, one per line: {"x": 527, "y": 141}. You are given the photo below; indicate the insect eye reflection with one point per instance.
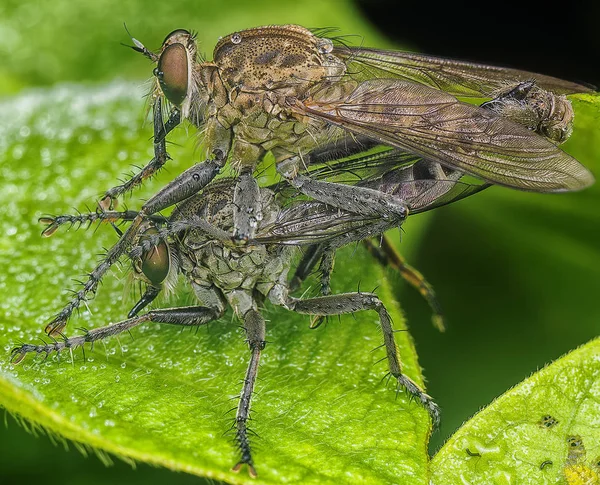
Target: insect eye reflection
{"x": 172, "y": 73}
{"x": 154, "y": 264}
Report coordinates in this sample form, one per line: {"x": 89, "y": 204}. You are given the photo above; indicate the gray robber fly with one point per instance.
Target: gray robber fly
{"x": 288, "y": 90}
{"x": 195, "y": 240}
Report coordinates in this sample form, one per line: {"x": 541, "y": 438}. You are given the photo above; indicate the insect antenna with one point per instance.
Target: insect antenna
{"x": 139, "y": 47}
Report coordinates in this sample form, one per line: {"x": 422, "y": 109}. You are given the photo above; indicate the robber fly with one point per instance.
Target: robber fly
{"x": 196, "y": 242}
{"x": 289, "y": 91}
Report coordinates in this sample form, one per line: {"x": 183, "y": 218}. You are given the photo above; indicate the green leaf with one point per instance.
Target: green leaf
{"x": 162, "y": 395}
{"x": 543, "y": 431}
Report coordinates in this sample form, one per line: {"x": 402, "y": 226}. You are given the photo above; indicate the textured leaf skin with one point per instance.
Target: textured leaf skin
{"x": 163, "y": 396}
{"x": 545, "y": 430}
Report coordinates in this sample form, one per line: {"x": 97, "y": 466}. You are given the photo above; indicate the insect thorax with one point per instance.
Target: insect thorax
{"x": 263, "y": 71}
{"x": 228, "y": 267}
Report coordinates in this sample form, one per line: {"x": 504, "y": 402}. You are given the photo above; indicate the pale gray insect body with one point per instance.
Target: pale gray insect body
{"x": 196, "y": 241}
{"x": 237, "y": 271}
{"x": 286, "y": 90}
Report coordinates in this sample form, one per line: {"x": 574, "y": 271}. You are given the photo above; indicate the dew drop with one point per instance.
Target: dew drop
{"x": 325, "y": 46}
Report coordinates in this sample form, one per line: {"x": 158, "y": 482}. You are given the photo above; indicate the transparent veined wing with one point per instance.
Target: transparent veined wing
{"x": 436, "y": 126}
{"x": 459, "y": 78}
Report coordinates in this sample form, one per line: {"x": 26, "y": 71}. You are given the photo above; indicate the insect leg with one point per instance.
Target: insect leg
{"x": 187, "y": 184}
{"x": 387, "y": 255}
{"x": 312, "y": 255}
{"x": 353, "y": 302}
{"x": 247, "y": 213}
{"x": 187, "y": 316}
{"x": 326, "y": 268}
{"x": 54, "y": 222}
{"x": 161, "y": 130}
{"x": 358, "y": 200}
{"x": 254, "y": 325}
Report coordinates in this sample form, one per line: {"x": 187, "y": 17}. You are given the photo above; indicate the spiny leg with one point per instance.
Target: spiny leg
{"x": 186, "y": 316}
{"x": 172, "y": 227}
{"x": 387, "y": 255}
{"x": 353, "y": 302}
{"x": 187, "y": 184}
{"x": 247, "y": 203}
{"x": 254, "y": 324}
{"x": 352, "y": 198}
{"x": 311, "y": 256}
{"x": 161, "y": 130}
{"x": 88, "y": 218}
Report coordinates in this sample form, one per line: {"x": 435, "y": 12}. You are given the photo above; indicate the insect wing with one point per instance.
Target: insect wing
{"x": 436, "y": 126}
{"x": 425, "y": 195}
{"x": 456, "y": 77}
{"x": 309, "y": 222}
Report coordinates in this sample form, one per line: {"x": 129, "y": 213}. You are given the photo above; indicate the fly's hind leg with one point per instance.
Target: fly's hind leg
{"x": 186, "y": 316}
{"x": 387, "y": 255}
{"x": 353, "y": 302}
{"x": 254, "y": 324}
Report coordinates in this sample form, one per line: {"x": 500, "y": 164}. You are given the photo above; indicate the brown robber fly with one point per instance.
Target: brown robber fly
{"x": 293, "y": 92}
{"x": 361, "y": 138}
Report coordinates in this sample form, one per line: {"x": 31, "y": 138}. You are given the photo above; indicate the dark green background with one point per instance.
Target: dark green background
{"x": 517, "y": 274}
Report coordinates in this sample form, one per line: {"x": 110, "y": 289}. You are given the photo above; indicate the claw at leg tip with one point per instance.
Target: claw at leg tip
{"x": 54, "y": 329}
{"x": 251, "y": 469}
{"x": 17, "y": 356}
{"x": 438, "y": 323}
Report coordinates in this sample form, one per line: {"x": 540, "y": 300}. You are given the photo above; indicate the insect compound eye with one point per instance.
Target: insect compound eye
{"x": 154, "y": 263}
{"x": 175, "y": 33}
{"x": 173, "y": 73}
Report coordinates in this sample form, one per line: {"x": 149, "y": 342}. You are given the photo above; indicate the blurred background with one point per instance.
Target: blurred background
{"x": 517, "y": 274}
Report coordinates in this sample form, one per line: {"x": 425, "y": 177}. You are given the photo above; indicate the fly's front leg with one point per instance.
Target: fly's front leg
{"x": 88, "y": 218}
{"x": 358, "y": 200}
{"x": 353, "y": 302}
{"x": 254, "y": 324}
{"x": 187, "y": 184}
{"x": 247, "y": 202}
{"x": 161, "y": 130}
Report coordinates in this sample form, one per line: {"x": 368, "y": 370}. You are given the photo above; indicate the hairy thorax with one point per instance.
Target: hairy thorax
{"x": 263, "y": 72}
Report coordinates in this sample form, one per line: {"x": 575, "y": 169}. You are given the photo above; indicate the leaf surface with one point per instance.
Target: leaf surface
{"x": 162, "y": 395}
{"x": 545, "y": 430}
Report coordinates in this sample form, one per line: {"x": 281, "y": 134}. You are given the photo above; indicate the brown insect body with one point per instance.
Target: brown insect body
{"x": 244, "y": 96}
{"x": 544, "y": 112}
{"x": 286, "y": 90}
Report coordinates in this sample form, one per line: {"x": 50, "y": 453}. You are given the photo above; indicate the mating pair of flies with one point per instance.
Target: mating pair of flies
{"x": 361, "y": 137}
